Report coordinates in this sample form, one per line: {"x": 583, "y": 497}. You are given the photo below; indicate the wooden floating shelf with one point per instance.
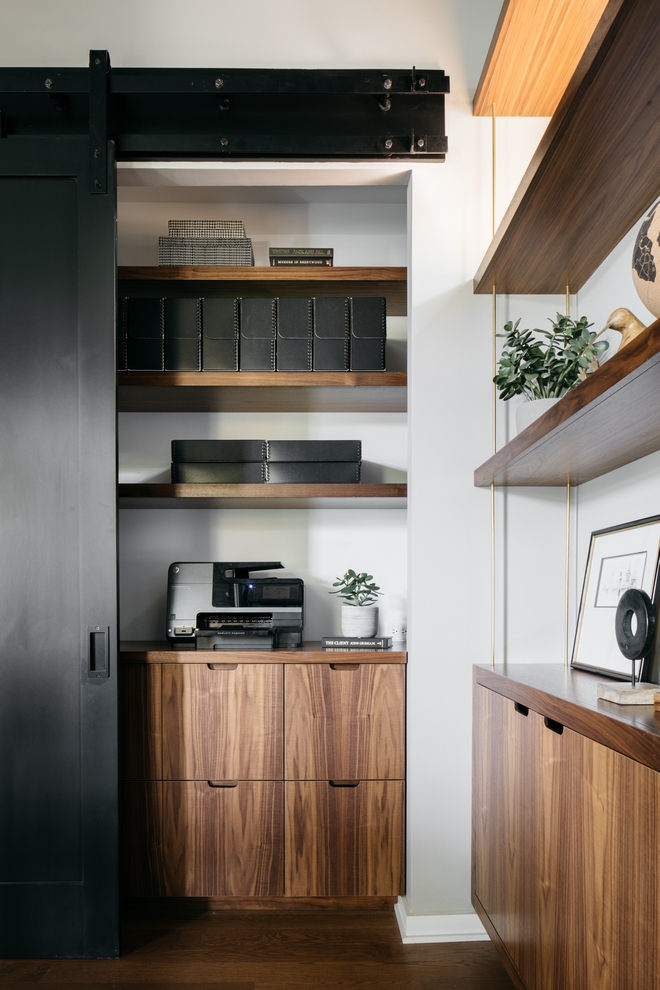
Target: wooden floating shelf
{"x": 163, "y": 652}
{"x": 596, "y": 169}
{"x": 611, "y": 419}
{"x": 262, "y": 496}
{"x": 265, "y": 281}
{"x": 268, "y": 391}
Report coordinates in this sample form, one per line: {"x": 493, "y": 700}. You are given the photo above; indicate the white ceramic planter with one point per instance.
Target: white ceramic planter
{"x": 527, "y": 412}
{"x": 360, "y": 623}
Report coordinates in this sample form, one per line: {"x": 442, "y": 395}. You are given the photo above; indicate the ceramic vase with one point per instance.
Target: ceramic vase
{"x": 359, "y": 622}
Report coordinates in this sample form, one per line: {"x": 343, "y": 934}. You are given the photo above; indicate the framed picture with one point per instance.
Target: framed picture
{"x": 619, "y": 558}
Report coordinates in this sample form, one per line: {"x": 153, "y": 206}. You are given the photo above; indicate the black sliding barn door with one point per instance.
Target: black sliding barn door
{"x": 58, "y": 614}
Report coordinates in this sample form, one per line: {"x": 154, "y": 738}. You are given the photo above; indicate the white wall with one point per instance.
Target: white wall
{"x": 449, "y": 229}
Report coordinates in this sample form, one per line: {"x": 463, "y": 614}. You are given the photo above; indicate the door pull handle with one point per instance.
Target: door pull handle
{"x": 98, "y": 652}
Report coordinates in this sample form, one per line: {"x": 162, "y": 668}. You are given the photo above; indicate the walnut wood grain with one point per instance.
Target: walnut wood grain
{"x": 566, "y": 863}
{"x": 570, "y": 697}
{"x": 223, "y": 841}
{"x": 609, "y": 420}
{"x": 140, "y": 723}
{"x": 279, "y": 903}
{"x": 141, "y": 844}
{"x": 344, "y": 840}
{"x": 210, "y": 280}
{"x": 344, "y": 723}
{"x": 263, "y": 491}
{"x": 595, "y": 170}
{"x": 222, "y": 724}
{"x": 535, "y": 50}
{"x": 161, "y": 651}
{"x": 210, "y": 391}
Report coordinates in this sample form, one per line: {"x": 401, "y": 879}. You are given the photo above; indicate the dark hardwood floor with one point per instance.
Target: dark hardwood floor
{"x": 179, "y": 949}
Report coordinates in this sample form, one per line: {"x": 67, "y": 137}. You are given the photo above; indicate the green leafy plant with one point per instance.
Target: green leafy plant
{"x": 357, "y": 589}
{"x": 544, "y": 364}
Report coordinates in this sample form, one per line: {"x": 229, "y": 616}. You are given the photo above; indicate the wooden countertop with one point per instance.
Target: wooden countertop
{"x": 161, "y": 651}
{"x": 570, "y": 697}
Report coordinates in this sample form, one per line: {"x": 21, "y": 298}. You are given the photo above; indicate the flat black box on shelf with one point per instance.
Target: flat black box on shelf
{"x": 220, "y": 334}
{"x": 331, "y": 334}
{"x": 219, "y": 473}
{"x": 182, "y": 334}
{"x": 191, "y": 451}
{"x": 144, "y": 334}
{"x": 314, "y": 450}
{"x": 258, "y": 323}
{"x": 295, "y": 334}
{"x": 314, "y": 472}
{"x": 368, "y": 333}
{"x": 121, "y": 334}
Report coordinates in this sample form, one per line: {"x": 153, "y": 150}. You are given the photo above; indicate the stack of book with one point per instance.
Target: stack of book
{"x": 205, "y": 242}
{"x": 291, "y": 257}
{"x": 320, "y": 462}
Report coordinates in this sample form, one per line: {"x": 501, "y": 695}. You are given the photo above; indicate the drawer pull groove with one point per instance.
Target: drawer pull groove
{"x": 345, "y": 666}
{"x": 521, "y": 709}
{"x": 550, "y": 723}
{"x": 222, "y": 666}
{"x": 222, "y": 783}
{"x": 343, "y": 783}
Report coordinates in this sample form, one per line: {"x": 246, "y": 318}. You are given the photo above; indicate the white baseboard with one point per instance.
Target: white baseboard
{"x": 437, "y": 927}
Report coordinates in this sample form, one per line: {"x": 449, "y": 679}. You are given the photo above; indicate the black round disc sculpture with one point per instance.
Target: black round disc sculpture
{"x": 634, "y": 645}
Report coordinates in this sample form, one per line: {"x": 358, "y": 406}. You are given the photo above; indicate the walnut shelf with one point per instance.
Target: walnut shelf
{"x": 161, "y": 651}
{"x": 267, "y": 391}
{"x": 611, "y": 419}
{"x": 265, "y": 281}
{"x": 261, "y": 496}
{"x": 595, "y": 170}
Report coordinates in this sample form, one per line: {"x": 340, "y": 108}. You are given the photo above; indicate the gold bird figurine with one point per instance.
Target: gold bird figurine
{"x": 626, "y": 323}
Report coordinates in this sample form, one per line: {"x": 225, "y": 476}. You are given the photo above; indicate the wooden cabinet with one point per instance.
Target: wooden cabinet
{"x": 344, "y": 720}
{"x": 566, "y": 867}
{"x": 222, "y": 721}
{"x": 259, "y": 779}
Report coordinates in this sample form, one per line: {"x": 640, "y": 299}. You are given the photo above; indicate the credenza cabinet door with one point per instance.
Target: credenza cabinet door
{"x": 565, "y": 853}
{"x": 222, "y": 721}
{"x": 223, "y": 841}
{"x": 345, "y": 721}
{"x": 344, "y": 840}
{"x": 140, "y": 722}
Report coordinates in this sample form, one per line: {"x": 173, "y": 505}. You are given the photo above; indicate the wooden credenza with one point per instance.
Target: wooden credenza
{"x": 244, "y": 777}
{"x": 566, "y": 830}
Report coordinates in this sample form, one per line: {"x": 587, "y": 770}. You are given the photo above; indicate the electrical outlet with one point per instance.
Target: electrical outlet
{"x": 399, "y": 632}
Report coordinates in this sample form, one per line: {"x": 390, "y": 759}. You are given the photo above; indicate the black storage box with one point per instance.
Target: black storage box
{"x": 258, "y": 329}
{"x": 295, "y": 334}
{"x": 121, "y": 334}
{"x": 368, "y": 333}
{"x": 314, "y": 450}
{"x": 218, "y": 450}
{"x": 215, "y": 473}
{"x": 219, "y": 334}
{"x": 331, "y": 334}
{"x": 314, "y": 472}
{"x": 144, "y": 334}
{"x": 182, "y": 334}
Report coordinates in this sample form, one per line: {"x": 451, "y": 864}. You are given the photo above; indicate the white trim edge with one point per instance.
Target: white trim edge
{"x": 416, "y": 928}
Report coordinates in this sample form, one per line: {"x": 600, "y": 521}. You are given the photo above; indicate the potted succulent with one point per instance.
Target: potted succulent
{"x": 359, "y": 615}
{"x": 543, "y": 365}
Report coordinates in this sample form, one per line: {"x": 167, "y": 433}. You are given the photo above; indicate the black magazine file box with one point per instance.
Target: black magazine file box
{"x": 182, "y": 333}
{"x": 258, "y": 322}
{"x": 219, "y": 334}
{"x": 331, "y": 334}
{"x": 368, "y": 333}
{"x": 144, "y": 334}
{"x": 295, "y": 334}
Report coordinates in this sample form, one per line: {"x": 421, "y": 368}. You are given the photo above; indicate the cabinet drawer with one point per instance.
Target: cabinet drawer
{"x": 344, "y": 721}
{"x": 344, "y": 841}
{"x": 140, "y": 722}
{"x": 222, "y": 841}
{"x": 222, "y": 724}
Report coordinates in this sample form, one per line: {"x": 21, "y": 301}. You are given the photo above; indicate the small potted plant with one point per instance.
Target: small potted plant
{"x": 359, "y": 615}
{"x": 543, "y": 370}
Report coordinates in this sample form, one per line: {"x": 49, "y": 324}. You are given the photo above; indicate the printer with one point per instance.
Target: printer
{"x": 220, "y": 606}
